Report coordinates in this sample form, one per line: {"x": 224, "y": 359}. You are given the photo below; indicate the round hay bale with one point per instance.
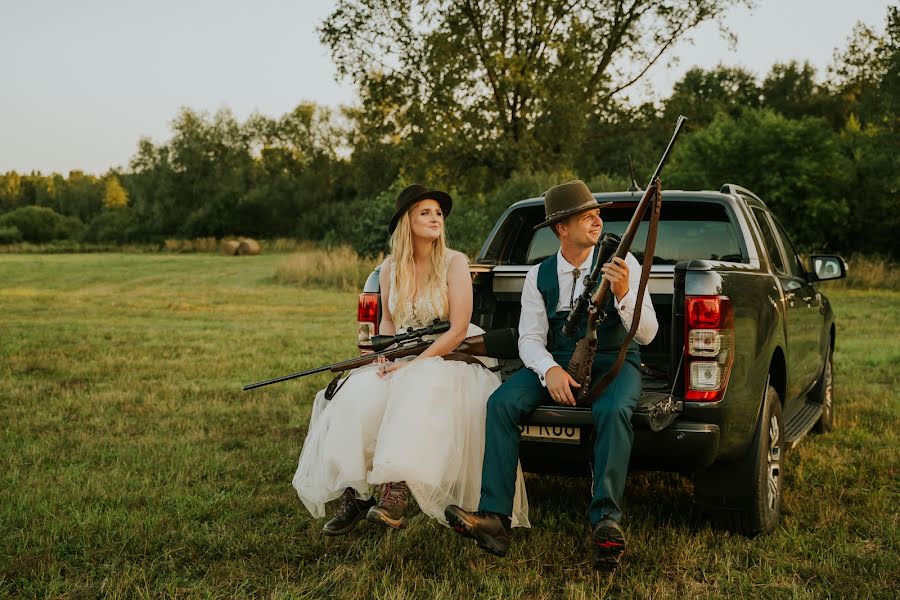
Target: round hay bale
{"x": 230, "y": 247}
{"x": 248, "y": 247}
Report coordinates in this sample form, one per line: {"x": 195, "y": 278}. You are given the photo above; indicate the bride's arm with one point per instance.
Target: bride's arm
{"x": 387, "y": 326}
{"x": 459, "y": 296}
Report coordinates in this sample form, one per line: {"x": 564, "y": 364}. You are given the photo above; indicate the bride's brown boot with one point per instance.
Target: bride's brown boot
{"x": 391, "y": 509}
{"x": 349, "y": 512}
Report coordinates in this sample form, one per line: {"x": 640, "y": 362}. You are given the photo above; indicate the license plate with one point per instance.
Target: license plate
{"x": 549, "y": 433}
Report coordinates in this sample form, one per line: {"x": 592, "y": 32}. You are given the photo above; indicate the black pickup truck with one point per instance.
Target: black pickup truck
{"x": 745, "y": 346}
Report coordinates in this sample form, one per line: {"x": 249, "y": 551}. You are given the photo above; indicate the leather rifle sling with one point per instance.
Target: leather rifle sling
{"x": 649, "y": 251}
{"x": 466, "y": 358}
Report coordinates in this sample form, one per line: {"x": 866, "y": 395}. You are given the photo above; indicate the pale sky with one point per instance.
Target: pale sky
{"x": 81, "y": 81}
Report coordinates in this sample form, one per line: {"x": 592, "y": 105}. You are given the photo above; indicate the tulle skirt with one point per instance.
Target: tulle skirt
{"x": 423, "y": 424}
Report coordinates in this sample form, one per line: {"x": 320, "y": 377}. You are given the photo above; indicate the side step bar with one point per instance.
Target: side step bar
{"x": 801, "y": 423}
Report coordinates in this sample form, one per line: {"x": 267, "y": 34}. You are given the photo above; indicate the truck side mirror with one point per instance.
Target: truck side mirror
{"x": 826, "y": 267}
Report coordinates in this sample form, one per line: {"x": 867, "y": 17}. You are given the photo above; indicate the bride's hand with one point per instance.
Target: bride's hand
{"x": 385, "y": 367}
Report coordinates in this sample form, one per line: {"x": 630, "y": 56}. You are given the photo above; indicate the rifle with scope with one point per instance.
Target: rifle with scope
{"x": 498, "y": 344}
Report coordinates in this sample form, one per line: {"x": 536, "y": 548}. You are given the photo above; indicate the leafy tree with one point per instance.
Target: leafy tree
{"x": 113, "y": 226}
{"x": 791, "y": 89}
{"x": 297, "y": 175}
{"x": 701, "y": 95}
{"x": 377, "y": 147}
{"x": 620, "y": 131}
{"x": 481, "y": 89}
{"x": 10, "y": 190}
{"x": 866, "y": 76}
{"x": 368, "y": 231}
{"x": 81, "y": 196}
{"x": 794, "y": 165}
{"x": 867, "y": 72}
{"x": 874, "y": 191}
{"x": 115, "y": 195}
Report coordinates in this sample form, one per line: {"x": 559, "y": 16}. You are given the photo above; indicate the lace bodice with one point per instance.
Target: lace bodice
{"x": 427, "y": 306}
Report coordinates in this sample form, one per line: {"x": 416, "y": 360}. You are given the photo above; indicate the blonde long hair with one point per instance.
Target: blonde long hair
{"x": 405, "y": 270}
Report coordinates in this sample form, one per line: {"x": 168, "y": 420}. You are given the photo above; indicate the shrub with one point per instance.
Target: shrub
{"x": 521, "y": 186}
{"x": 610, "y": 183}
{"x": 474, "y": 215}
{"x": 118, "y": 225}
{"x": 869, "y": 272}
{"x": 368, "y": 232}
{"x": 10, "y": 234}
{"x": 339, "y": 268}
{"x": 468, "y": 225}
{"x": 39, "y": 224}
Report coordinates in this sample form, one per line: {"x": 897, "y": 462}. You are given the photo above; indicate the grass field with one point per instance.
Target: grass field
{"x": 131, "y": 464}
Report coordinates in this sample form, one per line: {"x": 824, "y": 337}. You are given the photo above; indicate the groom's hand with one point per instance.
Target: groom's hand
{"x": 560, "y": 384}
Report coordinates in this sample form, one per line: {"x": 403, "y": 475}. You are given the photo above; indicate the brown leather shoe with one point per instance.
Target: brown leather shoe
{"x": 350, "y": 511}
{"x": 391, "y": 509}
{"x": 608, "y": 540}
{"x": 487, "y": 529}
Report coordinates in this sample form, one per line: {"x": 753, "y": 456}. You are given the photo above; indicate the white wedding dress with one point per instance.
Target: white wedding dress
{"x": 423, "y": 424}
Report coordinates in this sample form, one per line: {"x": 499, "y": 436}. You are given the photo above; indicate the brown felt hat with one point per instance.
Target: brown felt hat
{"x": 415, "y": 193}
{"x": 567, "y": 199}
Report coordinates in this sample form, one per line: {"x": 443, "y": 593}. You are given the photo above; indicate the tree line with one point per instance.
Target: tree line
{"x": 495, "y": 102}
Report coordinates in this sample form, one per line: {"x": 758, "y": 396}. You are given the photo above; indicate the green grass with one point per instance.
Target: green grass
{"x": 132, "y": 465}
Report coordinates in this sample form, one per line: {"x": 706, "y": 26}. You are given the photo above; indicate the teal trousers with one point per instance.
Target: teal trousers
{"x": 520, "y": 395}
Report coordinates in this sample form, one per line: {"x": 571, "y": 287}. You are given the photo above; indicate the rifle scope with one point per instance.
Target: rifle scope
{"x": 609, "y": 243}
{"x": 383, "y": 342}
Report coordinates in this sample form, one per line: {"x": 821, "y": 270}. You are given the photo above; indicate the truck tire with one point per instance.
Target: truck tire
{"x": 823, "y": 394}
{"x": 745, "y": 497}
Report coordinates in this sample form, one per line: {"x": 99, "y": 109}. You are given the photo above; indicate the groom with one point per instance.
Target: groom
{"x": 550, "y": 289}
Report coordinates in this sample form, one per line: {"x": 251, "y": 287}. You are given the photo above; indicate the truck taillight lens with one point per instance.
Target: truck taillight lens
{"x": 709, "y": 347}
{"x": 367, "y": 319}
{"x": 704, "y": 342}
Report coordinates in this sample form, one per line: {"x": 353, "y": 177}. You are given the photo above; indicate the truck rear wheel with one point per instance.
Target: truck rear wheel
{"x": 750, "y": 505}
{"x": 823, "y": 393}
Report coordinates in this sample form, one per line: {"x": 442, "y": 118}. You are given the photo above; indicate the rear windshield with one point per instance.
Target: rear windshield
{"x": 687, "y": 230}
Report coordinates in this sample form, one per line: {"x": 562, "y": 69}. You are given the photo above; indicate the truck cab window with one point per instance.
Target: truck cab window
{"x": 769, "y": 240}
{"x": 795, "y": 265}
{"x": 687, "y": 230}
{"x": 543, "y": 244}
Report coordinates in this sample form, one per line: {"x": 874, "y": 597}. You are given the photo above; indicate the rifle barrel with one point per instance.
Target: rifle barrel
{"x": 345, "y": 364}
{"x": 665, "y": 157}
{"x": 253, "y": 386}
{"x": 631, "y": 230}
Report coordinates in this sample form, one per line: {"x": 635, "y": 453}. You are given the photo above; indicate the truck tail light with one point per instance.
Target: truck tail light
{"x": 367, "y": 319}
{"x": 709, "y": 347}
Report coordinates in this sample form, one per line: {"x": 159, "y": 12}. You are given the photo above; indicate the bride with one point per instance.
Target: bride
{"x": 412, "y": 426}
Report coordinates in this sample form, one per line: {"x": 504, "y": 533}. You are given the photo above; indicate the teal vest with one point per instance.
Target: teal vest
{"x": 610, "y": 334}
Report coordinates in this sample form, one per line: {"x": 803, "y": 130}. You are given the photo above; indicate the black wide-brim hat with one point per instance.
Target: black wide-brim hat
{"x": 416, "y": 193}
{"x": 567, "y": 199}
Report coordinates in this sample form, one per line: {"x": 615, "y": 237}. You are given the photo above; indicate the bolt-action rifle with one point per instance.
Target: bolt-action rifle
{"x": 592, "y": 300}
{"x": 498, "y": 344}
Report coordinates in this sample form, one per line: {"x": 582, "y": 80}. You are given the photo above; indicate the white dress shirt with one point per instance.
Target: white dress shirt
{"x": 534, "y": 323}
